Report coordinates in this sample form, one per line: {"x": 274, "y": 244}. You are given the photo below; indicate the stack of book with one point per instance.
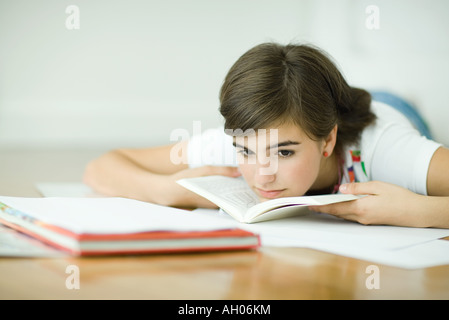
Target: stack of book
{"x": 107, "y": 226}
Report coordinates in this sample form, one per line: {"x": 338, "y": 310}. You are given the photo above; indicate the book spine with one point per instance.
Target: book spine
{"x": 16, "y": 213}
{"x": 25, "y": 217}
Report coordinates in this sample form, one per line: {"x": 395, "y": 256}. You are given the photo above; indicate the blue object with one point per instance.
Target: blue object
{"x": 406, "y": 108}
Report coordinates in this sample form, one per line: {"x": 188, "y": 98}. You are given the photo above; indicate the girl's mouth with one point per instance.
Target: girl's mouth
{"x": 269, "y": 194}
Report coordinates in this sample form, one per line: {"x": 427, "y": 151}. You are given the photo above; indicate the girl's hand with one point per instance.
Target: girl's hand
{"x": 178, "y": 196}
{"x": 384, "y": 203}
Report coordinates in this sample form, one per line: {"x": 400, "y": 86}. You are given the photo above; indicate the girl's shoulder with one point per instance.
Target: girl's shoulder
{"x": 391, "y": 150}
{"x": 389, "y": 125}
{"x": 389, "y": 115}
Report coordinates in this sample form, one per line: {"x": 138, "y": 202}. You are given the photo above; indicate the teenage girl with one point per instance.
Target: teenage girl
{"x": 330, "y": 137}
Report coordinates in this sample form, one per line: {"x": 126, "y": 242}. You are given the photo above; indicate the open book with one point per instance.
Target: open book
{"x": 234, "y": 196}
{"x": 105, "y": 226}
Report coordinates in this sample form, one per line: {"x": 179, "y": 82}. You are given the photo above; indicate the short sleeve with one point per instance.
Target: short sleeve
{"x": 211, "y": 147}
{"x": 399, "y": 154}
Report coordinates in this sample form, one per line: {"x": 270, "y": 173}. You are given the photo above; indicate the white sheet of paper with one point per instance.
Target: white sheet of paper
{"x": 328, "y": 229}
{"x": 16, "y": 244}
{"x": 66, "y": 189}
{"x": 323, "y": 228}
{"x": 422, "y": 255}
{"x": 402, "y": 247}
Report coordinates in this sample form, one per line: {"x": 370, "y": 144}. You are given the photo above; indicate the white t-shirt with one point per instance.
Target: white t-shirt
{"x": 391, "y": 150}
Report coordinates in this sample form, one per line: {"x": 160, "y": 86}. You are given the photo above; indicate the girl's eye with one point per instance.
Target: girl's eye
{"x": 245, "y": 152}
{"x": 285, "y": 153}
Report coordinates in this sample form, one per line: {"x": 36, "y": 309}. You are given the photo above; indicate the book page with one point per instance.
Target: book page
{"x": 234, "y": 196}
{"x": 284, "y": 204}
{"x": 231, "y": 194}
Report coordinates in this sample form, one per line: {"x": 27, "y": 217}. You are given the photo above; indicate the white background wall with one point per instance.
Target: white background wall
{"x": 137, "y": 69}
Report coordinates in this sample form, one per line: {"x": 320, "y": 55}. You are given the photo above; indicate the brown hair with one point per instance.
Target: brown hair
{"x": 272, "y": 84}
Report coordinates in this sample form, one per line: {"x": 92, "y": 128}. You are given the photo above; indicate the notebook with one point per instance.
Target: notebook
{"x": 114, "y": 225}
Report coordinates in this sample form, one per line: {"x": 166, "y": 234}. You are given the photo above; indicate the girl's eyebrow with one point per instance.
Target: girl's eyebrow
{"x": 277, "y": 145}
{"x": 283, "y": 144}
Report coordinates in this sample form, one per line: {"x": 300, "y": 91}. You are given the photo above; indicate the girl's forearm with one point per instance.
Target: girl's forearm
{"x": 115, "y": 175}
{"x": 433, "y": 211}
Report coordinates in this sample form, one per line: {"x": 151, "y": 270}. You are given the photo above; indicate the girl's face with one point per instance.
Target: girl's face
{"x": 284, "y": 162}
